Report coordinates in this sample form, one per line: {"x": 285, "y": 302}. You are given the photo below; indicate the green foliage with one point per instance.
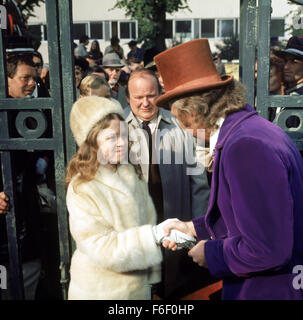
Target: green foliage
{"x": 151, "y": 16}
{"x": 294, "y": 15}
{"x": 229, "y": 50}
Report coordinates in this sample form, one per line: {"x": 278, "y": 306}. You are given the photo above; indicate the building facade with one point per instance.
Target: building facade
{"x": 215, "y": 20}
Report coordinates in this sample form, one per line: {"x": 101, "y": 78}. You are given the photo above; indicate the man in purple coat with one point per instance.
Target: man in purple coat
{"x": 252, "y": 233}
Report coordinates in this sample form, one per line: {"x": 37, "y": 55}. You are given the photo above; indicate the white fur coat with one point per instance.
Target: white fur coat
{"x": 111, "y": 220}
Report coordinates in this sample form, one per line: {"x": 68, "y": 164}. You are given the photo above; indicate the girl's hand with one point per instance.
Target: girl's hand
{"x": 186, "y": 227}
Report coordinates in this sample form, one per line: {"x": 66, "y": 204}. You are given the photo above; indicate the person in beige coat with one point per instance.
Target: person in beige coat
{"x": 111, "y": 213}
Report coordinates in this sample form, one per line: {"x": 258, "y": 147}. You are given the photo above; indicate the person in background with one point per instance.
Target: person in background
{"x": 152, "y": 66}
{"x": 219, "y": 64}
{"x": 81, "y": 50}
{"x": 276, "y": 85}
{"x": 81, "y": 69}
{"x": 41, "y": 89}
{"x": 114, "y": 47}
{"x": 95, "y": 54}
{"x": 113, "y": 66}
{"x": 173, "y": 188}
{"x": 293, "y": 73}
{"x": 94, "y": 85}
{"x": 276, "y": 75}
{"x": 21, "y": 73}
{"x": 18, "y": 26}
{"x": 45, "y": 76}
{"x": 99, "y": 71}
{"x": 38, "y": 61}
{"x": 293, "y": 67}
{"x": 134, "y": 64}
{"x": 135, "y": 52}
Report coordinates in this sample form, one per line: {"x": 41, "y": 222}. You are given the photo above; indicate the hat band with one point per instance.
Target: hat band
{"x": 296, "y": 51}
{"x": 112, "y": 62}
{"x": 20, "y": 49}
{"x": 204, "y": 80}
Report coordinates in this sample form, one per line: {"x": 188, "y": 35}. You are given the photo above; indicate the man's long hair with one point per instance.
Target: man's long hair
{"x": 207, "y": 107}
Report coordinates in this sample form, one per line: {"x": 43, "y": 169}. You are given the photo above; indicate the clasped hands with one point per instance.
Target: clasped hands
{"x": 174, "y": 234}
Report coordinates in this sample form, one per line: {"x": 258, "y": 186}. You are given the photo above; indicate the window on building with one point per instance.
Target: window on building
{"x": 96, "y": 30}
{"x": 237, "y": 30}
{"x": 225, "y": 28}
{"x": 128, "y": 30}
{"x": 79, "y": 30}
{"x": 45, "y": 32}
{"x": 133, "y": 30}
{"x": 208, "y": 28}
{"x": 277, "y": 27}
{"x": 36, "y": 30}
{"x": 169, "y": 29}
{"x": 183, "y": 28}
{"x": 114, "y": 29}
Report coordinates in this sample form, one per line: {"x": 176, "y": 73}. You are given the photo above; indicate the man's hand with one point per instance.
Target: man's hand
{"x": 197, "y": 253}
{"x": 186, "y": 227}
{"x": 4, "y": 205}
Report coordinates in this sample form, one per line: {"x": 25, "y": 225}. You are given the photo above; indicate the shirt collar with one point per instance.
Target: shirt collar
{"x": 152, "y": 124}
{"x": 215, "y": 135}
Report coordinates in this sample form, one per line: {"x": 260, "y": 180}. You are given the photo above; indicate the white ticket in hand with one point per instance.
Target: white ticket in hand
{"x": 182, "y": 240}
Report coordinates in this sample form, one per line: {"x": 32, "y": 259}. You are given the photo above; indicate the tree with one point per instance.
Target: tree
{"x": 151, "y": 17}
{"x": 296, "y": 16}
{"x": 229, "y": 50}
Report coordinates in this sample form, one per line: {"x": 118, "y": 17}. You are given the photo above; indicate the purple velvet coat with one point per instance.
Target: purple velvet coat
{"x": 255, "y": 212}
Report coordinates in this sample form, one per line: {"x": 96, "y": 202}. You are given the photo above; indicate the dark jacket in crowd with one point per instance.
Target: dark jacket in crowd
{"x": 26, "y": 208}
{"x": 17, "y": 19}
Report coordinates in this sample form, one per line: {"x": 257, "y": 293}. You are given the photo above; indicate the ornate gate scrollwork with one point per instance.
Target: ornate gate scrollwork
{"x": 37, "y": 127}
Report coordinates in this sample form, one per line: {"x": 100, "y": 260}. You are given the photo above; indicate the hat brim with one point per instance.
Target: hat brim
{"x": 191, "y": 87}
{"x": 112, "y": 65}
{"x": 293, "y": 52}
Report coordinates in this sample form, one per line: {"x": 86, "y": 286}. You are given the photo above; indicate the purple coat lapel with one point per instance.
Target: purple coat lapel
{"x": 214, "y": 223}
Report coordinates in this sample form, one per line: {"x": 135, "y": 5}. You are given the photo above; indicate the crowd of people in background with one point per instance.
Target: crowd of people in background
{"x": 134, "y": 81}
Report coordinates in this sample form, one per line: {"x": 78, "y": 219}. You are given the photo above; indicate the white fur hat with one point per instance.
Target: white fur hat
{"x": 87, "y": 111}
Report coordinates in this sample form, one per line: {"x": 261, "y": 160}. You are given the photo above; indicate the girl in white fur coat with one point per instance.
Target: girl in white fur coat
{"x": 110, "y": 211}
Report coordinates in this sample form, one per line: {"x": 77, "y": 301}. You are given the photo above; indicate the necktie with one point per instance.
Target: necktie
{"x": 154, "y": 178}
{"x": 146, "y": 127}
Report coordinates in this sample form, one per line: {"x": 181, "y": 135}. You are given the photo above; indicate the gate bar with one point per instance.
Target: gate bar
{"x": 15, "y": 266}
{"x": 248, "y": 40}
{"x": 264, "y": 18}
{"x": 53, "y": 36}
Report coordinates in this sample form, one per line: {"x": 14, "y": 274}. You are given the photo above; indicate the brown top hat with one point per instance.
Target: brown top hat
{"x": 188, "y": 68}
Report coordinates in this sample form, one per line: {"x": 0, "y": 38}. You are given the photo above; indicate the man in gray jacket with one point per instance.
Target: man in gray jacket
{"x": 178, "y": 186}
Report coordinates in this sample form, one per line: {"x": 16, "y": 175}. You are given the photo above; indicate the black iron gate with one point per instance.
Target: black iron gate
{"x": 61, "y": 143}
